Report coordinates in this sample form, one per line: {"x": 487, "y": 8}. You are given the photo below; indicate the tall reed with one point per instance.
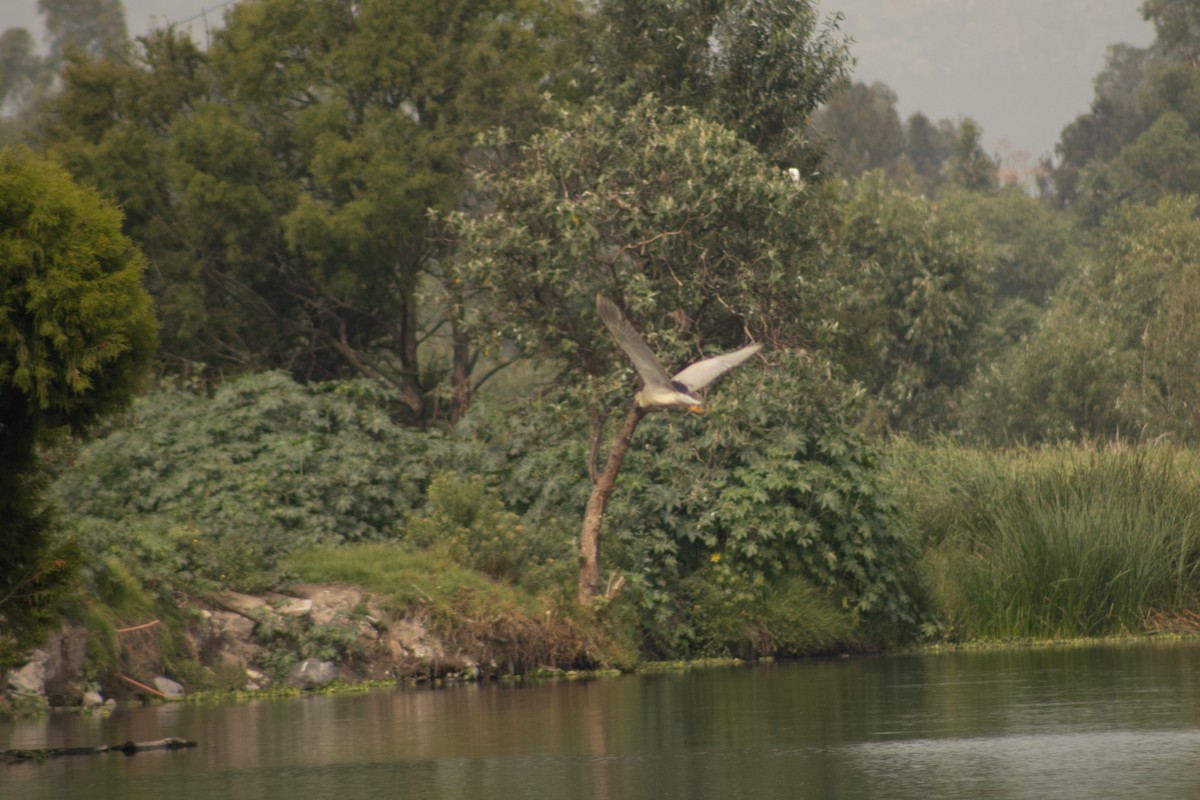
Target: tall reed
{"x": 1056, "y": 542}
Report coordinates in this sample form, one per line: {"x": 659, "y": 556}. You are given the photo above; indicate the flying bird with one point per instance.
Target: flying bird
{"x": 659, "y": 390}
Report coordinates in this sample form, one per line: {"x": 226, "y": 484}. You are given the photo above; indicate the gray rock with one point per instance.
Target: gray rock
{"x": 29, "y": 679}
{"x": 92, "y": 698}
{"x": 297, "y": 607}
{"x": 66, "y": 660}
{"x": 255, "y": 680}
{"x": 312, "y": 672}
{"x": 169, "y": 687}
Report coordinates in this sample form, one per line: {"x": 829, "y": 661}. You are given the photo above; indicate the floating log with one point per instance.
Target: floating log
{"x": 128, "y": 748}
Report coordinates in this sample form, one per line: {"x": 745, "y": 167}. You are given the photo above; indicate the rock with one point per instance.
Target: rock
{"x": 297, "y": 607}
{"x": 312, "y": 672}
{"x": 92, "y": 698}
{"x": 169, "y": 687}
{"x": 31, "y": 678}
{"x": 245, "y": 604}
{"x": 66, "y": 660}
{"x": 255, "y": 680}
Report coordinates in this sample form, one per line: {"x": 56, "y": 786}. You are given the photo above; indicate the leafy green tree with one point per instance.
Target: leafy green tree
{"x": 864, "y": 128}
{"x": 19, "y": 66}
{"x": 1030, "y": 247}
{"x": 1117, "y": 116}
{"x": 969, "y": 166}
{"x": 1062, "y": 382}
{"x": 774, "y": 485}
{"x": 110, "y": 124}
{"x": 915, "y": 293}
{"x": 758, "y": 67}
{"x": 1176, "y": 26}
{"x": 865, "y": 134}
{"x": 672, "y": 216}
{"x": 288, "y": 173}
{"x": 1148, "y": 277}
{"x": 76, "y": 336}
{"x": 1115, "y": 354}
{"x": 1163, "y": 160}
{"x": 93, "y": 27}
{"x": 927, "y": 148}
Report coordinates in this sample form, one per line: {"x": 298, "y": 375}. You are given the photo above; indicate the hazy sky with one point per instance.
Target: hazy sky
{"x": 1021, "y": 68}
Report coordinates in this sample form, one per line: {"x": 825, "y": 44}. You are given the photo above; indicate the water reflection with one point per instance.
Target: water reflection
{"x": 1070, "y": 722}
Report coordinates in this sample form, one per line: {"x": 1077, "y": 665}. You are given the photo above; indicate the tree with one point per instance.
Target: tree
{"x": 1117, "y": 116}
{"x": 670, "y": 215}
{"x": 1163, "y": 160}
{"x": 1029, "y": 247}
{"x": 19, "y": 66}
{"x": 1176, "y": 26}
{"x": 758, "y": 67}
{"x": 969, "y": 167}
{"x": 914, "y": 295}
{"x": 1115, "y": 355}
{"x": 862, "y": 122}
{"x": 76, "y": 336}
{"x": 927, "y": 148}
{"x": 289, "y": 171}
{"x": 92, "y": 27}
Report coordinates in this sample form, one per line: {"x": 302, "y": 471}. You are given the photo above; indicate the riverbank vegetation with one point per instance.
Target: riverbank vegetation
{"x": 374, "y": 241}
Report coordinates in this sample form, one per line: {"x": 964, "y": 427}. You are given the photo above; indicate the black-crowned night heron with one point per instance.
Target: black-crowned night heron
{"x": 660, "y": 390}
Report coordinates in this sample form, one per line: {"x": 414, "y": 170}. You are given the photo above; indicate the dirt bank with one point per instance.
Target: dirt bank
{"x": 317, "y": 634}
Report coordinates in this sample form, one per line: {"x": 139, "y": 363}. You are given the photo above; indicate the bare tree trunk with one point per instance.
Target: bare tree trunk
{"x": 593, "y": 515}
{"x": 410, "y": 390}
{"x": 461, "y": 362}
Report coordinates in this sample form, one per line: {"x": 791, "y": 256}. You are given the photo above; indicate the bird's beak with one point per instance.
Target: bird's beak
{"x": 697, "y": 409}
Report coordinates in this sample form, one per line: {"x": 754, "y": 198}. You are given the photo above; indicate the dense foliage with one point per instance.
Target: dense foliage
{"x": 213, "y": 491}
{"x": 1058, "y": 542}
{"x": 375, "y": 234}
{"x": 76, "y": 337}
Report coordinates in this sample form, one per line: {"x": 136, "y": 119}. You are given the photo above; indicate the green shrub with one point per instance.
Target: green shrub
{"x": 215, "y": 490}
{"x": 730, "y": 615}
{"x": 776, "y": 484}
{"x": 467, "y": 521}
{"x": 290, "y": 640}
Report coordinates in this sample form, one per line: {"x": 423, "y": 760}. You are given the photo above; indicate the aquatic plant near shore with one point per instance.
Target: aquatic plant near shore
{"x": 1055, "y": 542}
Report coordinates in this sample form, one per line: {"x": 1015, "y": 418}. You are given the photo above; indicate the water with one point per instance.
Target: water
{"x": 1094, "y": 722}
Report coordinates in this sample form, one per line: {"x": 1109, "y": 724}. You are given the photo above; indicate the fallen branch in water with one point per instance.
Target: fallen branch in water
{"x": 128, "y": 748}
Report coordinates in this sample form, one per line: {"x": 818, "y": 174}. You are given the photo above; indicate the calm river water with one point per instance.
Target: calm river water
{"x": 1073, "y": 722}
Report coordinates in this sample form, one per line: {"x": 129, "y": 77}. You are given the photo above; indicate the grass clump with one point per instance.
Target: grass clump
{"x": 1055, "y": 542}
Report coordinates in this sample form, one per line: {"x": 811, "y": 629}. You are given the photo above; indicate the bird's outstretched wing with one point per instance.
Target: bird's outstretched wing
{"x": 631, "y": 342}
{"x": 702, "y": 373}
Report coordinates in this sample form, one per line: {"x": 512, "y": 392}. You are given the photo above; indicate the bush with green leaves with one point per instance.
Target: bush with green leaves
{"x": 774, "y": 483}
{"x": 772, "y": 488}
{"x": 467, "y": 520}
{"x": 213, "y": 490}
{"x": 77, "y": 333}
{"x": 729, "y": 613}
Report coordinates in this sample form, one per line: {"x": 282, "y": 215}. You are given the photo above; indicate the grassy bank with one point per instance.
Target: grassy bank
{"x": 1054, "y": 542}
